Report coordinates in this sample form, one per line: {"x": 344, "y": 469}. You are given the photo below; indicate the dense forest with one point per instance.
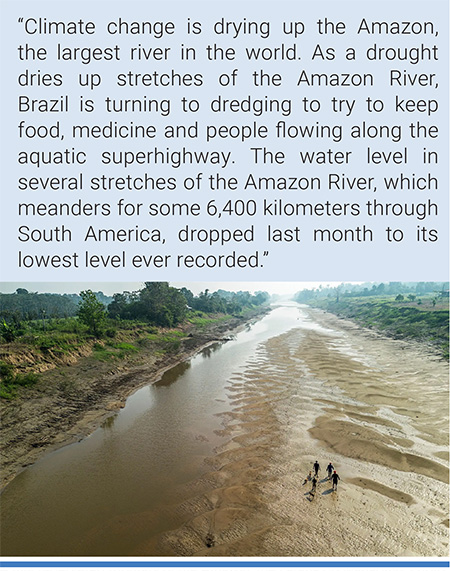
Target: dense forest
{"x": 156, "y": 303}
{"x": 166, "y": 306}
{"x": 25, "y": 305}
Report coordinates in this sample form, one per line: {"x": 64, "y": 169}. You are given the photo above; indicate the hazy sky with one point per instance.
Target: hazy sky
{"x": 109, "y": 288}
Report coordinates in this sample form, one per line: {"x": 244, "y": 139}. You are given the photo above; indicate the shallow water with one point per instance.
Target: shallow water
{"x": 221, "y": 444}
{"x": 136, "y": 460}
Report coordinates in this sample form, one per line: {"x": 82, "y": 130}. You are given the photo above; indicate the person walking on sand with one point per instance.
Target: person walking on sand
{"x": 335, "y": 478}
{"x": 316, "y": 467}
{"x": 330, "y": 469}
{"x": 314, "y": 485}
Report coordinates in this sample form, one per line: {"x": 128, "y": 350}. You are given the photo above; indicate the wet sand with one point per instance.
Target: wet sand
{"x": 376, "y": 408}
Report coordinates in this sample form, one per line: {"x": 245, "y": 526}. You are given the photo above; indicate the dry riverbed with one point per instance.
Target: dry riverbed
{"x": 376, "y": 408}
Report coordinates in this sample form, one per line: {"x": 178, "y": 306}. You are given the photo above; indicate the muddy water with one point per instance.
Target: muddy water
{"x": 211, "y": 459}
{"x": 136, "y": 460}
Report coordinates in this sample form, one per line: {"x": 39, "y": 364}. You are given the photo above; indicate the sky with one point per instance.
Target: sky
{"x": 108, "y": 288}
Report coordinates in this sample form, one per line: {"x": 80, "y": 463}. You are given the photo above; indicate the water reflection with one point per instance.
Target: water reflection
{"x": 136, "y": 460}
{"x": 108, "y": 423}
{"x": 173, "y": 374}
{"x": 208, "y": 352}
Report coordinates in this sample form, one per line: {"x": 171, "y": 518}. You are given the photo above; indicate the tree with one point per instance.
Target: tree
{"x": 21, "y": 291}
{"x": 92, "y": 313}
{"x": 118, "y": 307}
{"x": 188, "y": 295}
{"x": 161, "y": 304}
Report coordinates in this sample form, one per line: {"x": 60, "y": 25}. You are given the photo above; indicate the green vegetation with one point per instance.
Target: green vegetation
{"x": 92, "y": 313}
{"x": 202, "y": 320}
{"x": 156, "y": 317}
{"x": 112, "y": 351}
{"x": 403, "y": 315}
{"x": 10, "y": 380}
{"x": 165, "y": 341}
{"x": 55, "y": 336}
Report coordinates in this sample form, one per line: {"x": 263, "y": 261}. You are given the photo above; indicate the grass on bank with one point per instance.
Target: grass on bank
{"x": 111, "y": 351}
{"x": 51, "y": 340}
{"x": 11, "y": 381}
{"x": 421, "y": 320}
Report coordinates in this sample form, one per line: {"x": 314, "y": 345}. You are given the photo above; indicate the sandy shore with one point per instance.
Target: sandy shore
{"x": 374, "y": 407}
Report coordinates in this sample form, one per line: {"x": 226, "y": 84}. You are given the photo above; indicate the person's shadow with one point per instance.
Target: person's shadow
{"x": 326, "y": 492}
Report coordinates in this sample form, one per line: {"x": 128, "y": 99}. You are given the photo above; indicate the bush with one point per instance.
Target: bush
{"x": 8, "y": 331}
{"x": 6, "y": 370}
{"x": 127, "y": 347}
{"x": 10, "y": 381}
{"x": 26, "y": 380}
{"x": 46, "y": 344}
{"x": 7, "y": 392}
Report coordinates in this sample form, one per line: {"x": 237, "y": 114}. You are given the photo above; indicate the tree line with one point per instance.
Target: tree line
{"x": 27, "y": 306}
{"x": 156, "y": 303}
{"x": 408, "y": 290}
{"x": 163, "y": 305}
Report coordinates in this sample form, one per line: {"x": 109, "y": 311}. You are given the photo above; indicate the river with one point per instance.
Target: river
{"x": 137, "y": 458}
{"x": 147, "y": 469}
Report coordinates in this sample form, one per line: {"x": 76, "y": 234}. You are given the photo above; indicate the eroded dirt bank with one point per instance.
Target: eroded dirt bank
{"x": 72, "y": 399}
{"x": 376, "y": 408}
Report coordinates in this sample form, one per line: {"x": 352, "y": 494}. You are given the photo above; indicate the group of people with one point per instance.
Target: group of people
{"x": 332, "y": 475}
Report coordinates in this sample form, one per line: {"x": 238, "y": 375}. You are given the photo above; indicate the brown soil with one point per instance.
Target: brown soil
{"x": 75, "y": 395}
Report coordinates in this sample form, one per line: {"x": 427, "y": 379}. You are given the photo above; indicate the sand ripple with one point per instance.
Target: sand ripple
{"x": 376, "y": 408}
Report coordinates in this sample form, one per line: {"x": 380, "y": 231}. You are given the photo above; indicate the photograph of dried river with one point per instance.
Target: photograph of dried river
{"x": 211, "y": 458}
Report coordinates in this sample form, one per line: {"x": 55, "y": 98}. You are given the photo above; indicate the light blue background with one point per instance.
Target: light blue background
{"x": 307, "y": 261}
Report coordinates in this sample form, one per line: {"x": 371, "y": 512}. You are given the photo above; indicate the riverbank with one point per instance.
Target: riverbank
{"x": 71, "y": 400}
{"x": 425, "y": 322}
{"x": 212, "y": 460}
{"x": 376, "y": 408}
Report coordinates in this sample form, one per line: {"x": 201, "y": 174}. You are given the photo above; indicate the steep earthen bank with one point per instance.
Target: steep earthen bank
{"x": 76, "y": 391}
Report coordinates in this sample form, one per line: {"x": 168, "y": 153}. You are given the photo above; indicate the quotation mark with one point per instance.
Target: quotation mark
{"x": 265, "y": 253}
{"x": 20, "y": 20}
